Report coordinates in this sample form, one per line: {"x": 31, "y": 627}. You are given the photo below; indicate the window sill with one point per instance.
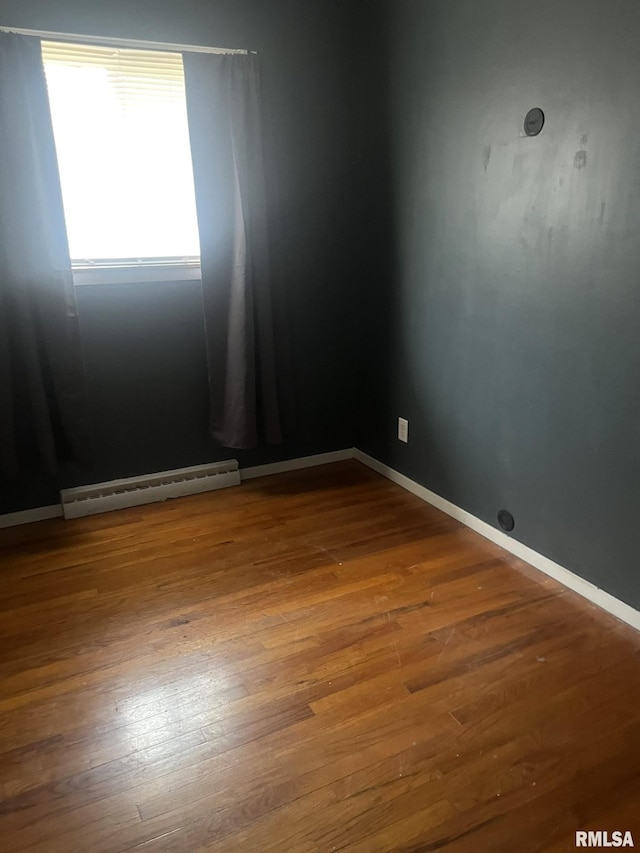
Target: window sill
{"x": 135, "y": 273}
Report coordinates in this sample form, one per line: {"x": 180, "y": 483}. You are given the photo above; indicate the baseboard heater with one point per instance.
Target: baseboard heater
{"x": 149, "y": 488}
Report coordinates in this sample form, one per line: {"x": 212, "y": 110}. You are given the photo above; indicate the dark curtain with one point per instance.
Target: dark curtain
{"x": 43, "y": 410}
{"x": 249, "y": 379}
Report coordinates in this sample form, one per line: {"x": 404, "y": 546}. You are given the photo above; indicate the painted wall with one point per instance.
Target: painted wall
{"x": 496, "y": 276}
{"x": 144, "y": 345}
{"x": 505, "y": 324}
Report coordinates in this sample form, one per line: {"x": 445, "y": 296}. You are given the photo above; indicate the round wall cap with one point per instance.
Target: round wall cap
{"x": 533, "y": 122}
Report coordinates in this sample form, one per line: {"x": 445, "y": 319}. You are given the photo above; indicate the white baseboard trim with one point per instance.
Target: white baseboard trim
{"x": 13, "y": 519}
{"x": 41, "y": 513}
{"x": 296, "y": 464}
{"x": 587, "y": 590}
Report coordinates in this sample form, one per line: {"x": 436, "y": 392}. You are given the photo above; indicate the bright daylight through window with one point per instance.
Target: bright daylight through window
{"x": 122, "y": 140}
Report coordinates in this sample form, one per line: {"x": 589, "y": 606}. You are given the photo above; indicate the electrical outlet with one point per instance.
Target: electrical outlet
{"x": 403, "y": 430}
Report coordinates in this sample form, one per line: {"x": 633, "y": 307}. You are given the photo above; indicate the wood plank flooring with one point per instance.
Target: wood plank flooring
{"x": 310, "y": 662}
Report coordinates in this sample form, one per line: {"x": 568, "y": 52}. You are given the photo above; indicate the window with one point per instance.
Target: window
{"x": 122, "y": 140}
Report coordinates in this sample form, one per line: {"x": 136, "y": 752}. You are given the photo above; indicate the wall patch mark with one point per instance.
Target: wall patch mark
{"x": 580, "y": 160}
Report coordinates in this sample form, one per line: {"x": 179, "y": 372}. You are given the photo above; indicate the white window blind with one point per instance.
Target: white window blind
{"x": 122, "y": 140}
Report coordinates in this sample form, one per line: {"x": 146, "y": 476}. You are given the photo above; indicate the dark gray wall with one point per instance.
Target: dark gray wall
{"x": 499, "y": 303}
{"x": 144, "y": 344}
{"x": 506, "y": 325}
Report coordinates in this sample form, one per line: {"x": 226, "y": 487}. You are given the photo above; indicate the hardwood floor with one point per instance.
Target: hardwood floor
{"x": 315, "y": 661}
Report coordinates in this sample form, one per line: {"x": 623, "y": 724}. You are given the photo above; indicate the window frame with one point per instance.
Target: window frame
{"x": 131, "y": 271}
{"x": 99, "y": 271}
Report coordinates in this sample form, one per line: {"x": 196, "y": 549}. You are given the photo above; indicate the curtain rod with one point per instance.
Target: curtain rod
{"x": 126, "y": 43}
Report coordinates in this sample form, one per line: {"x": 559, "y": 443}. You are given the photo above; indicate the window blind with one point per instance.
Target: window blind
{"x": 134, "y": 74}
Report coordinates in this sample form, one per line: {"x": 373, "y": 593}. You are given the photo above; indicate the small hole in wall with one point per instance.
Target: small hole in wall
{"x": 506, "y": 520}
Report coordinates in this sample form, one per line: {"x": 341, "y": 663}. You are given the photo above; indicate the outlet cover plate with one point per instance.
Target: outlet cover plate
{"x": 403, "y": 430}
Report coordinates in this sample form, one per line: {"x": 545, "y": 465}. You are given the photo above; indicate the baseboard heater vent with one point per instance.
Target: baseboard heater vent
{"x": 118, "y": 494}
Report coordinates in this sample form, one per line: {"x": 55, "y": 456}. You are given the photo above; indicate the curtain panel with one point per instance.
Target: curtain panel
{"x": 43, "y": 405}
{"x": 249, "y": 374}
